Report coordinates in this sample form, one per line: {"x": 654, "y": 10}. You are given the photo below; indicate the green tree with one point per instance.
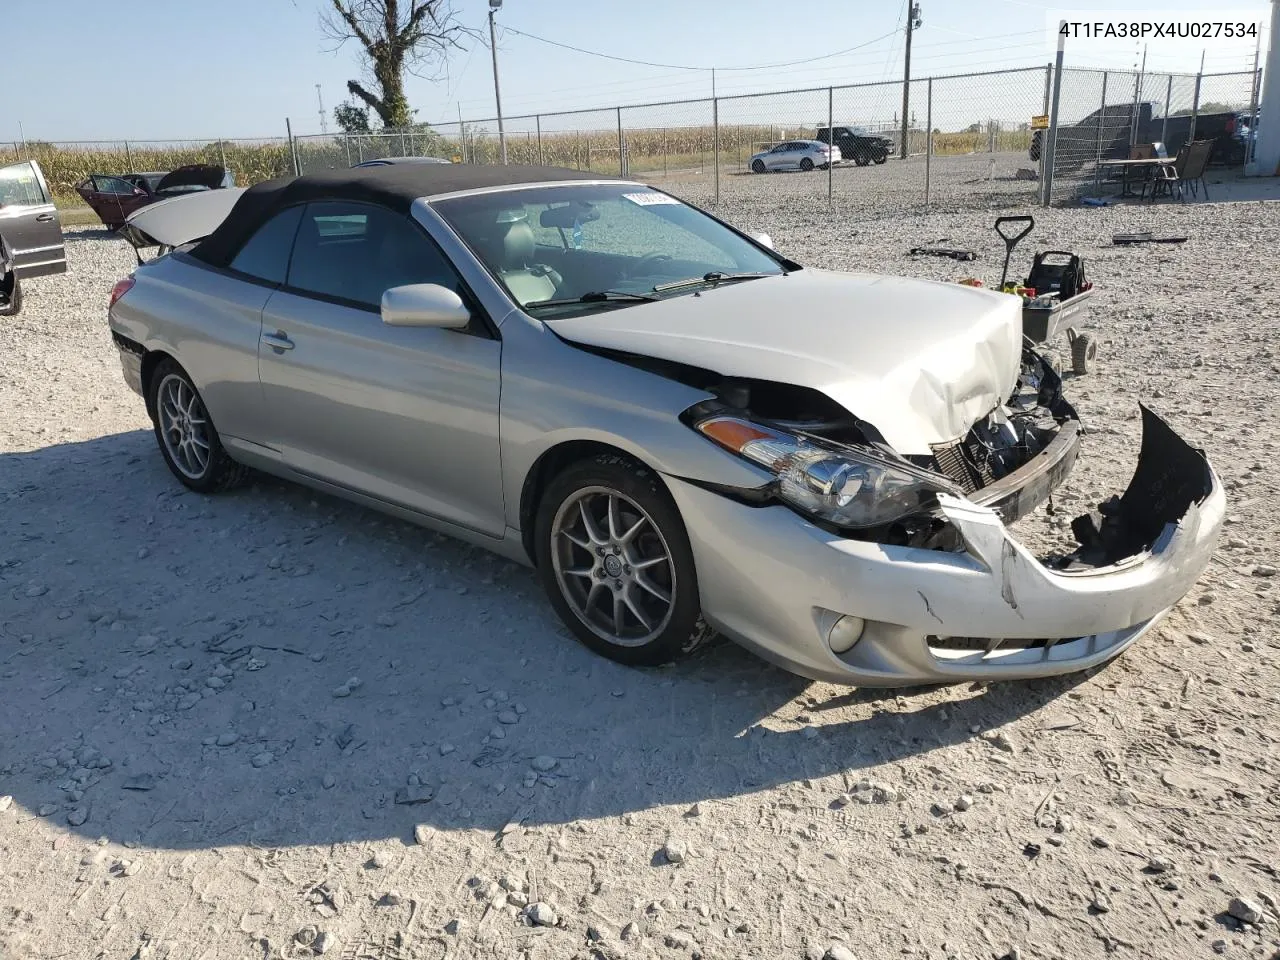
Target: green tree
{"x": 351, "y": 118}
{"x": 395, "y": 37}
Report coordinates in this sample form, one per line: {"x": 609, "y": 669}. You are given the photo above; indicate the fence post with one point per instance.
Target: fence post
{"x": 1251, "y": 141}
{"x": 1051, "y": 142}
{"x": 622, "y": 170}
{"x": 538, "y": 120}
{"x": 128, "y": 157}
{"x": 831, "y": 140}
{"x": 1102, "y": 120}
{"x": 1168, "y": 102}
{"x": 346, "y": 142}
{"x": 293, "y": 148}
{"x": 715, "y": 143}
{"x": 664, "y": 151}
{"x": 1195, "y": 109}
{"x": 222, "y": 153}
{"x": 928, "y": 138}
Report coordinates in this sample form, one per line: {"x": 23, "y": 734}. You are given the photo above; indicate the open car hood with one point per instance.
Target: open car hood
{"x": 208, "y": 175}
{"x": 922, "y": 361}
{"x": 174, "y": 221}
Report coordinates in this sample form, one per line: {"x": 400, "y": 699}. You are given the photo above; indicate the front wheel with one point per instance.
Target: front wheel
{"x": 862, "y": 160}
{"x": 881, "y": 158}
{"x": 188, "y": 440}
{"x": 757, "y": 166}
{"x": 615, "y": 560}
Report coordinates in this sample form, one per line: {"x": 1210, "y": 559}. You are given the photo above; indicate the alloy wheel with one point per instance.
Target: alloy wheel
{"x": 613, "y": 566}
{"x": 184, "y": 426}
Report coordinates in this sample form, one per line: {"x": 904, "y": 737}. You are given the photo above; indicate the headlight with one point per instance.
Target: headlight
{"x": 846, "y": 487}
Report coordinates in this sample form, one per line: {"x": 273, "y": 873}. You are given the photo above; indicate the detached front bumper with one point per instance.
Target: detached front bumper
{"x": 778, "y": 584}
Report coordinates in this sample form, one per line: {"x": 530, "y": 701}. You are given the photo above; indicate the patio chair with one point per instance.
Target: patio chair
{"x": 1187, "y": 168}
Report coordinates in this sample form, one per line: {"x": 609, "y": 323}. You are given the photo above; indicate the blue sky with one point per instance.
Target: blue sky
{"x": 163, "y": 69}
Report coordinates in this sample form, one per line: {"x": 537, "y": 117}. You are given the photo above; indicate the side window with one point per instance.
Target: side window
{"x": 19, "y": 186}
{"x": 356, "y": 251}
{"x": 266, "y": 254}
{"x": 113, "y": 185}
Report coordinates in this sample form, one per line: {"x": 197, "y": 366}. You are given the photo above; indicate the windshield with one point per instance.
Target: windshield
{"x": 616, "y": 245}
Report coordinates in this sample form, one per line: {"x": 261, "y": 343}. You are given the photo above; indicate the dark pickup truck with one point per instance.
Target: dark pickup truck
{"x": 1078, "y": 143}
{"x": 857, "y": 145}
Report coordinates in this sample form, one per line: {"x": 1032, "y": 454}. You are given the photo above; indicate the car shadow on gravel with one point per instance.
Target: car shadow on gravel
{"x": 276, "y": 667}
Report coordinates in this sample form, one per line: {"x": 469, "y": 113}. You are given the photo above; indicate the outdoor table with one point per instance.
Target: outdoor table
{"x": 1148, "y": 166}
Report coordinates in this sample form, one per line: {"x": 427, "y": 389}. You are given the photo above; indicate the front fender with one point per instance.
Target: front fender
{"x": 554, "y": 393}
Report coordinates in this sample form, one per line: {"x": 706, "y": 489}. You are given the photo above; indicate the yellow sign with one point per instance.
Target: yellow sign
{"x": 1040, "y": 123}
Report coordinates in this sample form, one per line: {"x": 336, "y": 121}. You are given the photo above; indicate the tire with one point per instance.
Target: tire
{"x": 757, "y": 166}
{"x": 14, "y": 305}
{"x": 806, "y": 164}
{"x": 1084, "y": 353}
{"x": 862, "y": 159}
{"x": 170, "y": 389}
{"x": 636, "y": 616}
{"x": 880, "y": 158}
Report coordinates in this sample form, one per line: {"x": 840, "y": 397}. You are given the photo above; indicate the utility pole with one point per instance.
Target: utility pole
{"x": 913, "y": 23}
{"x": 494, "y": 7}
{"x": 324, "y": 122}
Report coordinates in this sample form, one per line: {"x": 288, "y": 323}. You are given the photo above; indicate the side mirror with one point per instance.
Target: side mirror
{"x": 424, "y": 305}
{"x": 763, "y": 239}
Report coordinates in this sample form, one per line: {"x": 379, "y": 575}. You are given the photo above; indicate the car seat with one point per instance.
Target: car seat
{"x": 511, "y": 249}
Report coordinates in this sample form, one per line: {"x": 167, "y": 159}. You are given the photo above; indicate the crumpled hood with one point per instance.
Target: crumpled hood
{"x": 920, "y": 360}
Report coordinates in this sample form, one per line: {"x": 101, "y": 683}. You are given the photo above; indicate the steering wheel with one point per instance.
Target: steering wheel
{"x": 645, "y": 262}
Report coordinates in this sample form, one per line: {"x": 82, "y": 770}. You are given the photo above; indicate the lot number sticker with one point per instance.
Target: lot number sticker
{"x": 649, "y": 199}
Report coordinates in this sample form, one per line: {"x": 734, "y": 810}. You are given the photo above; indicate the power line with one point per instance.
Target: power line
{"x": 677, "y": 66}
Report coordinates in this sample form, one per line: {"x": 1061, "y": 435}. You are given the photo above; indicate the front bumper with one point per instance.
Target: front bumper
{"x": 776, "y": 583}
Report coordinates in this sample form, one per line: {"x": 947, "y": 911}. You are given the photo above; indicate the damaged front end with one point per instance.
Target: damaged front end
{"x": 840, "y": 472}
{"x": 924, "y": 581}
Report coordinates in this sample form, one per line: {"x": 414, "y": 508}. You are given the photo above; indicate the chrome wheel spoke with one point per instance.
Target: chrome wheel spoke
{"x": 576, "y": 540}
{"x": 589, "y": 524}
{"x": 579, "y": 572}
{"x": 613, "y": 512}
{"x": 645, "y": 584}
{"x": 619, "y": 611}
{"x": 639, "y": 565}
{"x": 630, "y": 535}
{"x": 635, "y": 608}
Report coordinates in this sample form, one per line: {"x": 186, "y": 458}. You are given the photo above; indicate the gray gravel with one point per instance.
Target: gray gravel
{"x": 121, "y": 595}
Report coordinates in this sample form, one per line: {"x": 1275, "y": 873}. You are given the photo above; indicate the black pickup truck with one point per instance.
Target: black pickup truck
{"x": 1078, "y": 143}
{"x": 857, "y": 145}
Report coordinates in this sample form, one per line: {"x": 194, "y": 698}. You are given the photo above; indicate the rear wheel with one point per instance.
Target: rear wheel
{"x": 862, "y": 159}
{"x": 615, "y": 560}
{"x": 757, "y": 166}
{"x": 188, "y": 440}
{"x": 806, "y": 164}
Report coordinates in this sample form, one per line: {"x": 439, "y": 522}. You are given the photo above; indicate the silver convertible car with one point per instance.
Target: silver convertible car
{"x": 682, "y": 430}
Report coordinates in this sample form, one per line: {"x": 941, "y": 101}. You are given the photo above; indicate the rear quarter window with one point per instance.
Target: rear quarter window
{"x": 265, "y": 256}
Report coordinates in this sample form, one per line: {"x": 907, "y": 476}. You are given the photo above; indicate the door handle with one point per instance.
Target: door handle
{"x": 44, "y": 218}
{"x": 277, "y": 341}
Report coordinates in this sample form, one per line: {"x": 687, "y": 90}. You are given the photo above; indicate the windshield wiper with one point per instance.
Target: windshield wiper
{"x": 595, "y": 296}
{"x": 714, "y": 277}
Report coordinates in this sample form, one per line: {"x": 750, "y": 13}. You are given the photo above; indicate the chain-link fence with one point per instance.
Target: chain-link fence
{"x": 1104, "y": 114}
{"x": 66, "y": 164}
{"x": 967, "y": 140}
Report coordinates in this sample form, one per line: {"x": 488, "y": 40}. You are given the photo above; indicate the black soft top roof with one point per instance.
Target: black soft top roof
{"x": 395, "y": 186}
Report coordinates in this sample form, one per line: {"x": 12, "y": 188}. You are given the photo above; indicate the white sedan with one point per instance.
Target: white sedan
{"x": 796, "y": 155}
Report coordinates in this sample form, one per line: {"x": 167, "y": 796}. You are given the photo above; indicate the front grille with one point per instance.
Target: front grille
{"x": 968, "y": 464}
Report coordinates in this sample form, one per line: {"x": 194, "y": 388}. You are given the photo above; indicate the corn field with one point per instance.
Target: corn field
{"x": 984, "y": 117}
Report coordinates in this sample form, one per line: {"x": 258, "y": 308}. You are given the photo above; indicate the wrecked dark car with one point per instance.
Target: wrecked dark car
{"x": 114, "y": 196}
{"x": 683, "y": 430}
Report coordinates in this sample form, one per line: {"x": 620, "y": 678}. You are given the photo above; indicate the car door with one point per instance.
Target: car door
{"x": 30, "y": 222}
{"x": 776, "y": 159}
{"x": 406, "y": 415}
{"x": 114, "y": 198}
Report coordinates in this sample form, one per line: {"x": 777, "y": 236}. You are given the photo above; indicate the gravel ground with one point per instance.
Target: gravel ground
{"x": 270, "y": 724}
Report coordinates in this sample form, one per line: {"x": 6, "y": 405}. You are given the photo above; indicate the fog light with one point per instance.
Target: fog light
{"x": 846, "y": 632}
